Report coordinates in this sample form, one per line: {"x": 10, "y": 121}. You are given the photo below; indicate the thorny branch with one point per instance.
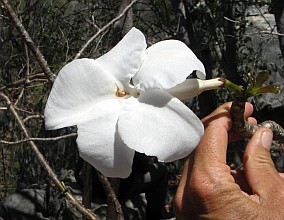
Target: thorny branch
{"x": 44, "y": 163}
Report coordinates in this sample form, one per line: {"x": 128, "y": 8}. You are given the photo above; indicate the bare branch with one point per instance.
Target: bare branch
{"x": 86, "y": 212}
{"x": 40, "y": 157}
{"x": 264, "y": 32}
{"x": 79, "y": 54}
{"x": 32, "y": 46}
{"x": 111, "y": 195}
{"x": 44, "y": 163}
{"x": 22, "y": 81}
{"x": 38, "y": 139}
{"x": 231, "y": 20}
{"x": 32, "y": 117}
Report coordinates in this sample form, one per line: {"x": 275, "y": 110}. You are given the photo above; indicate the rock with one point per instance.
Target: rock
{"x": 28, "y": 204}
{"x": 42, "y": 204}
{"x": 265, "y": 45}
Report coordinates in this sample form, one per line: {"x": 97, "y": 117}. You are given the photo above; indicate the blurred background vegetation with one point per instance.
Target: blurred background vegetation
{"x": 232, "y": 38}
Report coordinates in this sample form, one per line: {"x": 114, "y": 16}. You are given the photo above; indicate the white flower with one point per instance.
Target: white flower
{"x": 124, "y": 102}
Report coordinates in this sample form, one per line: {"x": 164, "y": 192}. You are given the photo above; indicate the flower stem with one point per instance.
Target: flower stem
{"x": 238, "y": 90}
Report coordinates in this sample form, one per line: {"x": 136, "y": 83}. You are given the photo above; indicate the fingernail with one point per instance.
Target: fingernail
{"x": 266, "y": 139}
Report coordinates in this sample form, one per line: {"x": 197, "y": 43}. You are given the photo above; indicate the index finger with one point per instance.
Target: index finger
{"x": 213, "y": 145}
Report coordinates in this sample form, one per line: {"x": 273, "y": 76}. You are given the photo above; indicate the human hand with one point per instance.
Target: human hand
{"x": 210, "y": 190}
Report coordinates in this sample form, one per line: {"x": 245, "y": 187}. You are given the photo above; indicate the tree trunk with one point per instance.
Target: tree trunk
{"x": 229, "y": 58}
{"x": 124, "y": 24}
{"x": 207, "y": 100}
{"x": 88, "y": 189}
{"x": 278, "y": 11}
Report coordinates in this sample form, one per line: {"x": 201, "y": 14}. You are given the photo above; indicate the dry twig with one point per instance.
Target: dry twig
{"x": 23, "y": 81}
{"x": 79, "y": 54}
{"x": 38, "y": 139}
{"x": 44, "y": 163}
{"x": 28, "y": 40}
{"x": 111, "y": 195}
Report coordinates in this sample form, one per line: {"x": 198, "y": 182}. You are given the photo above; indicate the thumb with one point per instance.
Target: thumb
{"x": 258, "y": 165}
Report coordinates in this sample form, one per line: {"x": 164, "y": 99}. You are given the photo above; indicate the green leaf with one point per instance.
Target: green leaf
{"x": 261, "y": 78}
{"x": 270, "y": 89}
{"x": 255, "y": 91}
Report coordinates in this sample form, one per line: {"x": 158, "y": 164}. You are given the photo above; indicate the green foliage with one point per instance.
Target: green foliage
{"x": 256, "y": 87}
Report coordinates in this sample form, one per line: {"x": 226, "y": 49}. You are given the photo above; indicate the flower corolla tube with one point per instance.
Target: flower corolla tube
{"x": 128, "y": 100}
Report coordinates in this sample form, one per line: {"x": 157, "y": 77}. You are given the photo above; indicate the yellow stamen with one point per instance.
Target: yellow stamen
{"x": 120, "y": 93}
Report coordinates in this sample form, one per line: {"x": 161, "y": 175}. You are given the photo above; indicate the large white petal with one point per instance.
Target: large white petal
{"x": 167, "y": 63}
{"x": 125, "y": 59}
{"x": 78, "y": 88}
{"x": 158, "y": 124}
{"x": 101, "y": 146}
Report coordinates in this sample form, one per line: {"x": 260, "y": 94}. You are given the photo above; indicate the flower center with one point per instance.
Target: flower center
{"x": 120, "y": 93}
{"x": 131, "y": 92}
